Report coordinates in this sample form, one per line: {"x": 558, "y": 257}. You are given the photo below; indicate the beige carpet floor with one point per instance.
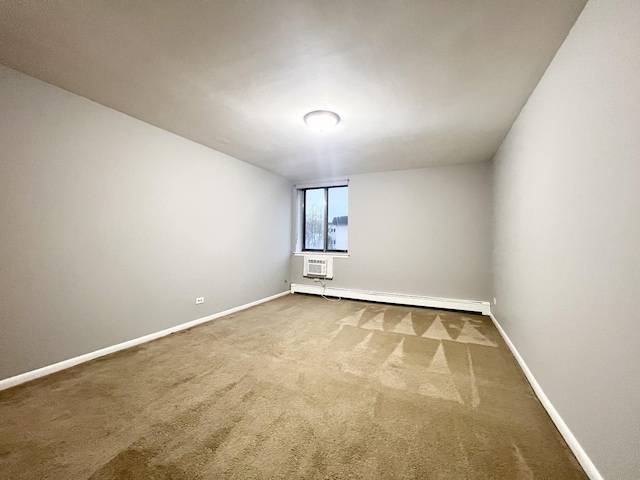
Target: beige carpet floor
{"x": 295, "y": 388}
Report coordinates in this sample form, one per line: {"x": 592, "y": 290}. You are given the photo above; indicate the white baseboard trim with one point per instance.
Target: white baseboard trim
{"x": 582, "y": 457}
{"x": 395, "y": 298}
{"x": 56, "y": 367}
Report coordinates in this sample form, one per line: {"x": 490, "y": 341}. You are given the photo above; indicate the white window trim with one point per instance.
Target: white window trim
{"x": 328, "y": 254}
{"x": 335, "y": 183}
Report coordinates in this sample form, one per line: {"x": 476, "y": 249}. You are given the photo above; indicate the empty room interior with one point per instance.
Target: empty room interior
{"x": 320, "y": 239}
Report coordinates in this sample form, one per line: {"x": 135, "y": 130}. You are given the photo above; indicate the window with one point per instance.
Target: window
{"x": 325, "y": 219}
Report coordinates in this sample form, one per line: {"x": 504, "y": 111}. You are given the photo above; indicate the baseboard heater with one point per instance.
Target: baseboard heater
{"x": 395, "y": 298}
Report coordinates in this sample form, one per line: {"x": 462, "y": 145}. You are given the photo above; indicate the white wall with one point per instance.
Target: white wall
{"x": 421, "y": 232}
{"x": 567, "y": 234}
{"x": 111, "y": 227}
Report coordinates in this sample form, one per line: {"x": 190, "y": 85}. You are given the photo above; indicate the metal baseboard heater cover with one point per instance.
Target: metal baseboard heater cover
{"x": 479, "y": 306}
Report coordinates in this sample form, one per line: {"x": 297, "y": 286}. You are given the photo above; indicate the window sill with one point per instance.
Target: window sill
{"x": 327, "y": 254}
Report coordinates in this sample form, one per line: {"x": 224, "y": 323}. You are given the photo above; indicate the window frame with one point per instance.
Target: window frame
{"x": 325, "y": 223}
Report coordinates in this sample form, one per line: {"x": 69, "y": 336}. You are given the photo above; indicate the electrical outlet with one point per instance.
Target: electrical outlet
{"x": 199, "y": 300}
{"x": 495, "y": 302}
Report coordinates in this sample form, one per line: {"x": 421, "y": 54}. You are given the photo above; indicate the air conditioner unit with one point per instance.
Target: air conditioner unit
{"x": 318, "y": 267}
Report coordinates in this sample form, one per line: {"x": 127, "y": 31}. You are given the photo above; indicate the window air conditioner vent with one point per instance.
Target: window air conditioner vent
{"x": 318, "y": 267}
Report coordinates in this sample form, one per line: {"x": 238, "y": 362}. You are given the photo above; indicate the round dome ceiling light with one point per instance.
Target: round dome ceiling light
{"x": 321, "y": 120}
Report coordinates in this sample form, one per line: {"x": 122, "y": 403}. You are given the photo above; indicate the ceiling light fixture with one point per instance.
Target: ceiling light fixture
{"x": 321, "y": 120}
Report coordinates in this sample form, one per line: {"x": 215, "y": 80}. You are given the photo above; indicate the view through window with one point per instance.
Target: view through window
{"x": 326, "y": 219}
